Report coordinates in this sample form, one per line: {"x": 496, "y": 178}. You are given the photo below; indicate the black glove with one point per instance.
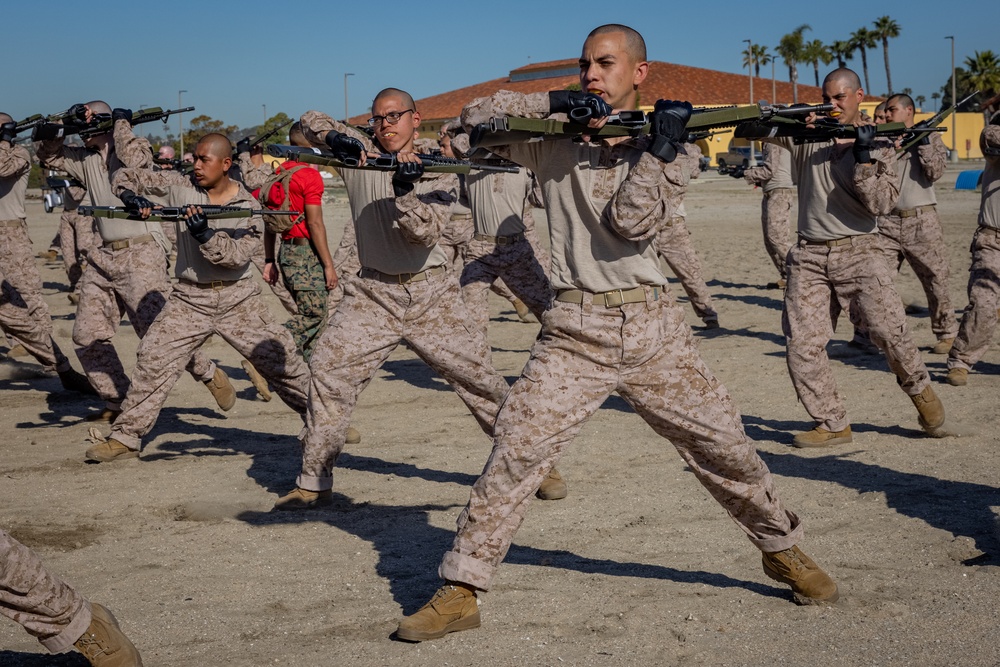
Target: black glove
{"x": 737, "y": 172}
{"x": 863, "y": 143}
{"x": 77, "y": 112}
{"x": 581, "y": 107}
{"x": 197, "y": 224}
{"x": 134, "y": 202}
{"x": 8, "y": 131}
{"x": 347, "y": 149}
{"x": 407, "y": 173}
{"x": 243, "y": 145}
{"x": 121, "y": 114}
{"x": 668, "y": 126}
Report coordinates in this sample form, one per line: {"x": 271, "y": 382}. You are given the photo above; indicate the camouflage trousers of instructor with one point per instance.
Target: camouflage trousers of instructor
{"x": 644, "y": 352}
{"x": 820, "y": 279}
{"x": 24, "y": 315}
{"x": 131, "y": 281}
{"x": 40, "y": 602}
{"x": 370, "y": 322}
{"x": 515, "y": 264}
{"x": 236, "y": 314}
{"x": 979, "y": 321}
{"x": 673, "y": 243}
{"x": 775, "y": 217}
{"x": 305, "y": 281}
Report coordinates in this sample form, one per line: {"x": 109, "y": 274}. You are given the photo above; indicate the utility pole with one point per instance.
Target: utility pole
{"x": 954, "y": 101}
{"x": 180, "y": 121}
{"x": 750, "y": 64}
{"x": 346, "y": 74}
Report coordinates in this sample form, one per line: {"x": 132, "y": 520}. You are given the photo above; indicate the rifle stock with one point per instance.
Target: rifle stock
{"x": 933, "y": 122}
{"x": 103, "y": 122}
{"x": 801, "y": 133}
{"x": 162, "y": 213}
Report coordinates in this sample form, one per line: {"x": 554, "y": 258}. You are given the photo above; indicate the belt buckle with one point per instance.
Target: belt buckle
{"x": 120, "y": 245}
{"x": 400, "y": 280}
{"x": 608, "y": 295}
{"x": 217, "y": 284}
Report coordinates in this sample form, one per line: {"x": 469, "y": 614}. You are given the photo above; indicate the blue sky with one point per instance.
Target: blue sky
{"x": 233, "y": 58}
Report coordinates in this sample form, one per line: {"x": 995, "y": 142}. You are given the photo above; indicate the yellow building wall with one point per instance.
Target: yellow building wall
{"x": 966, "y": 138}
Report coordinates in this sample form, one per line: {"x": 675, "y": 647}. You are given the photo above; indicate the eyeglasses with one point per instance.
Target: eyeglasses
{"x": 392, "y": 118}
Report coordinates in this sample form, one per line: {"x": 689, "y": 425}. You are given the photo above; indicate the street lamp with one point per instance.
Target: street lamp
{"x": 346, "y": 74}
{"x": 954, "y": 100}
{"x": 774, "y": 85}
{"x": 180, "y": 121}
{"x": 265, "y": 113}
{"x": 750, "y": 63}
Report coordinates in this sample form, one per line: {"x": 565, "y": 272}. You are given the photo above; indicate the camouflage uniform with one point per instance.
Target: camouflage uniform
{"x": 346, "y": 263}
{"x": 774, "y": 175}
{"x": 24, "y": 315}
{"x": 979, "y": 320}
{"x": 42, "y": 603}
{"x": 838, "y": 261}
{"x": 404, "y": 291}
{"x": 610, "y": 328}
{"x": 215, "y": 295}
{"x": 302, "y": 273}
{"x": 673, "y": 243}
{"x": 127, "y": 274}
{"x": 78, "y": 236}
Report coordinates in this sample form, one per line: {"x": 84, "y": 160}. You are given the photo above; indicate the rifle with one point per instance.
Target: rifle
{"x": 102, "y": 122}
{"x": 700, "y": 135}
{"x": 33, "y": 121}
{"x": 823, "y": 129}
{"x": 932, "y": 122}
{"x": 504, "y": 130}
{"x": 177, "y": 164}
{"x": 264, "y": 137}
{"x": 385, "y": 161}
{"x": 212, "y": 212}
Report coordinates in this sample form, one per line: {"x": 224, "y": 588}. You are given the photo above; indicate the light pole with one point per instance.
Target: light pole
{"x": 774, "y": 86}
{"x": 750, "y": 63}
{"x": 180, "y": 121}
{"x": 954, "y": 100}
{"x": 264, "y": 106}
{"x": 346, "y": 74}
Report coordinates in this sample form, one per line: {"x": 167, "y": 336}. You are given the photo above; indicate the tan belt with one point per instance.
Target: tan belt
{"x": 11, "y": 223}
{"x": 125, "y": 243}
{"x": 297, "y": 240}
{"x": 213, "y": 284}
{"x": 834, "y": 243}
{"x": 913, "y": 212}
{"x": 500, "y": 240}
{"x": 611, "y": 299}
{"x": 400, "y": 278}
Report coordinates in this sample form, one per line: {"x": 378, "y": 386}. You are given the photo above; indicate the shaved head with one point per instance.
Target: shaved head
{"x": 634, "y": 43}
{"x": 5, "y": 118}
{"x": 401, "y": 95}
{"x": 99, "y": 106}
{"x": 847, "y": 77}
{"x": 296, "y": 137}
{"x": 902, "y": 100}
{"x": 215, "y": 144}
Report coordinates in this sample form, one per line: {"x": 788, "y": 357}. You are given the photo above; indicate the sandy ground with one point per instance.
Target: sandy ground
{"x": 637, "y": 566}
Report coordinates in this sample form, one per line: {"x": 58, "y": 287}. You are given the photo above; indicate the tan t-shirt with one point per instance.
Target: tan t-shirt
{"x": 917, "y": 169}
{"x": 15, "y": 165}
{"x": 605, "y": 202}
{"x": 497, "y": 200}
{"x": 776, "y": 170}
{"x": 395, "y": 235}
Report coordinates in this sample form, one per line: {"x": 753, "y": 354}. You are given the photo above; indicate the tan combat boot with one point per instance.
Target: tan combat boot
{"x": 258, "y": 381}
{"x": 222, "y": 390}
{"x": 930, "y": 411}
{"x": 454, "y": 607}
{"x": 820, "y": 437}
{"x": 712, "y": 324}
{"x": 943, "y": 346}
{"x": 303, "y": 499}
{"x": 552, "y": 487}
{"x": 523, "y": 312}
{"x": 73, "y": 381}
{"x": 104, "y": 644}
{"x": 110, "y": 450}
{"x": 17, "y": 351}
{"x": 957, "y": 377}
{"x": 810, "y": 584}
{"x": 353, "y": 436}
{"x": 107, "y": 416}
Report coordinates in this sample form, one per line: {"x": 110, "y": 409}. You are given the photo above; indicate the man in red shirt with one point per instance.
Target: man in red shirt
{"x": 305, "y": 260}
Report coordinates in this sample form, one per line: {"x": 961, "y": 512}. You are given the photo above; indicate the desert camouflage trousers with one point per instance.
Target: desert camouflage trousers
{"x": 304, "y": 278}
{"x": 278, "y": 288}
{"x": 979, "y": 321}
{"x": 24, "y": 315}
{"x": 347, "y": 264}
{"x": 673, "y": 243}
{"x": 368, "y": 325}
{"x": 42, "y": 603}
{"x": 775, "y": 217}
{"x": 237, "y": 315}
{"x": 78, "y": 238}
{"x": 131, "y": 281}
{"x": 514, "y": 264}
{"x": 645, "y": 353}
{"x": 820, "y": 280}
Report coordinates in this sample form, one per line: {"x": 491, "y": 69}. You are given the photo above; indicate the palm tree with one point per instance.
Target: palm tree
{"x": 935, "y": 97}
{"x": 863, "y": 39}
{"x": 790, "y": 50}
{"x": 885, "y": 28}
{"x": 984, "y": 73}
{"x": 920, "y": 99}
{"x": 815, "y": 51}
{"x": 843, "y": 51}
{"x": 758, "y": 55}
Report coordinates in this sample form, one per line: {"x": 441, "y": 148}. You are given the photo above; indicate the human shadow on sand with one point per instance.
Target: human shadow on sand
{"x": 41, "y": 659}
{"x": 960, "y": 508}
{"x": 782, "y": 431}
{"x": 410, "y": 549}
